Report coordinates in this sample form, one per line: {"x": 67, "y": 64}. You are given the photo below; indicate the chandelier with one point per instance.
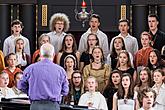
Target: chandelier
{"x": 83, "y": 15}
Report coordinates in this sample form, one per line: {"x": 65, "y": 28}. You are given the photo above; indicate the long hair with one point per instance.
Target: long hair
{"x": 149, "y": 81}
{"x": 160, "y": 63}
{"x": 16, "y": 40}
{"x": 113, "y": 53}
{"x": 97, "y": 39}
{"x": 128, "y": 62}
{"x": 121, "y": 92}
{"x": 110, "y": 84}
{"x": 74, "y": 60}
{"x": 72, "y": 86}
{"x": 59, "y": 17}
{"x": 74, "y": 46}
{"x": 102, "y": 58}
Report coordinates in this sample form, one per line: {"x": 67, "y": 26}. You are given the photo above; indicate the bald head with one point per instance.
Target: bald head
{"x": 47, "y": 51}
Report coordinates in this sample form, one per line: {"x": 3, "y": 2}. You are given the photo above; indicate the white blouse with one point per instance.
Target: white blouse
{"x": 96, "y": 99}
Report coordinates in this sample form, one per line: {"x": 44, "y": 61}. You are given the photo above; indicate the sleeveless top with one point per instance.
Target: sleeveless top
{"x": 130, "y": 71}
{"x": 126, "y": 104}
{"x": 85, "y": 57}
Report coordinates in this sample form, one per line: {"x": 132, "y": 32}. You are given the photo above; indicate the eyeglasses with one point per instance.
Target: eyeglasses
{"x": 60, "y": 23}
{"x": 77, "y": 77}
{"x": 91, "y": 39}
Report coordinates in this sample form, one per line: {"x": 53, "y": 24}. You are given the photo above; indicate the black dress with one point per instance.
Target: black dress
{"x": 108, "y": 94}
{"x": 85, "y": 57}
{"x": 130, "y": 71}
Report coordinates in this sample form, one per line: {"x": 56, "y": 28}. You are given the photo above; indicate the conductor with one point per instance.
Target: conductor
{"x": 44, "y": 81}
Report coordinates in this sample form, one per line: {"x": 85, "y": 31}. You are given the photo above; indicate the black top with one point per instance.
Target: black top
{"x": 158, "y": 40}
{"x": 108, "y": 94}
{"x": 113, "y": 62}
{"x": 85, "y": 57}
{"x": 130, "y": 71}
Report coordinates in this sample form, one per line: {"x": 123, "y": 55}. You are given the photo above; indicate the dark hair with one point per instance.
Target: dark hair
{"x": 114, "y": 54}
{"x": 74, "y": 60}
{"x": 97, "y": 43}
{"x": 72, "y": 84}
{"x": 149, "y": 77}
{"x": 74, "y": 46}
{"x": 142, "y": 94}
{"x": 154, "y": 15}
{"x": 17, "y": 73}
{"x": 121, "y": 91}
{"x": 16, "y": 22}
{"x": 159, "y": 64}
{"x": 95, "y": 16}
{"x": 124, "y": 20}
{"x": 23, "y": 56}
{"x": 10, "y": 54}
{"x": 110, "y": 83}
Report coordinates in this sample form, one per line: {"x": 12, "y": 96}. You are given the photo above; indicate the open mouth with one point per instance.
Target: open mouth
{"x": 59, "y": 28}
{"x": 97, "y": 56}
{"x": 152, "y": 61}
{"x": 149, "y": 103}
{"x": 5, "y": 83}
{"x": 143, "y": 78}
{"x": 115, "y": 81}
{"x": 93, "y": 26}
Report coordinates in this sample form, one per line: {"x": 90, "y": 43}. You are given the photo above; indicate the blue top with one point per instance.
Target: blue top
{"x": 44, "y": 80}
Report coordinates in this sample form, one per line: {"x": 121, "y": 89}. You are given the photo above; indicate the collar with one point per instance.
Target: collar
{"x": 62, "y": 34}
{"x": 162, "y": 86}
{"x": 89, "y": 31}
{"x": 46, "y": 60}
{"x": 128, "y": 35}
{"x": 12, "y": 36}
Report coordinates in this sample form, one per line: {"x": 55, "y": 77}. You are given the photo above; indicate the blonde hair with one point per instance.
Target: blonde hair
{"x": 96, "y": 82}
{"x": 59, "y": 17}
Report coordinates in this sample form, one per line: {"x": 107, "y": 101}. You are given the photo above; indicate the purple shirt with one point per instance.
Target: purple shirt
{"x": 44, "y": 80}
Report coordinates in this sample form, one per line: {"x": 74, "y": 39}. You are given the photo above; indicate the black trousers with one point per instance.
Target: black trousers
{"x": 44, "y": 105}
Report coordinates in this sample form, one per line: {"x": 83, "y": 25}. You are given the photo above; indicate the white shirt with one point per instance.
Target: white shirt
{"x": 6, "y": 92}
{"x": 149, "y": 109}
{"x": 103, "y": 42}
{"x": 20, "y": 60}
{"x": 56, "y": 41}
{"x": 160, "y": 98}
{"x": 9, "y": 45}
{"x": 96, "y": 98}
{"x": 130, "y": 43}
